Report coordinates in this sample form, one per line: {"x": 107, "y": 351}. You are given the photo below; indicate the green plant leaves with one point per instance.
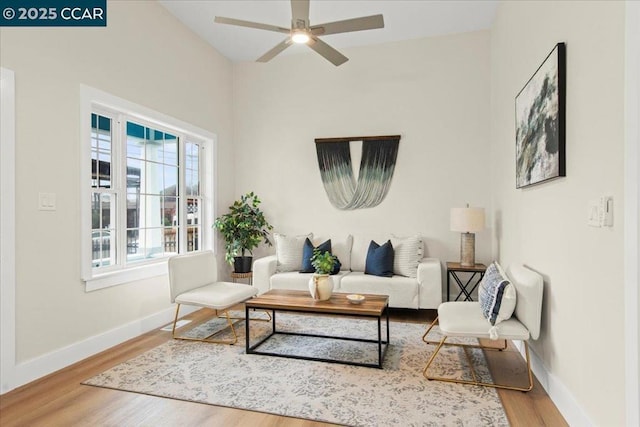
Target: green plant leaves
{"x": 244, "y": 227}
{"x": 323, "y": 261}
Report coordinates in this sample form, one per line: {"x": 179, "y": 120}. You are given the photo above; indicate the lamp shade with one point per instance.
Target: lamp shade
{"x": 467, "y": 220}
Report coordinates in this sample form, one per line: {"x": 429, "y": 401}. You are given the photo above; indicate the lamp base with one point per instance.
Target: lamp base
{"x": 467, "y": 249}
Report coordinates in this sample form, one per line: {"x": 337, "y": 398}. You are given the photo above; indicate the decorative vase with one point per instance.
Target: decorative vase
{"x": 321, "y": 287}
{"x": 242, "y": 264}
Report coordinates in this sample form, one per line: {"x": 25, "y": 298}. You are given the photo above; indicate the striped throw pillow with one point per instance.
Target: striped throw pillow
{"x": 289, "y": 251}
{"x": 407, "y": 255}
{"x": 497, "y": 296}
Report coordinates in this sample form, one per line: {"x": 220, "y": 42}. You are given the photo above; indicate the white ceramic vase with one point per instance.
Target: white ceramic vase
{"x": 321, "y": 287}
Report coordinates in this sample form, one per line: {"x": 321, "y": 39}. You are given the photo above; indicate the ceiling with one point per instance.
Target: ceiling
{"x": 404, "y": 20}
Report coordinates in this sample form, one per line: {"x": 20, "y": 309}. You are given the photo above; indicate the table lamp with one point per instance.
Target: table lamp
{"x": 467, "y": 221}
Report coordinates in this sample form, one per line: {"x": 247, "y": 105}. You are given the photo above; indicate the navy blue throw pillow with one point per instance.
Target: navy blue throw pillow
{"x": 307, "y": 253}
{"x": 336, "y": 268}
{"x": 379, "y": 259}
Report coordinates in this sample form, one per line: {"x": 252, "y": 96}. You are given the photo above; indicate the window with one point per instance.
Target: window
{"x": 150, "y": 192}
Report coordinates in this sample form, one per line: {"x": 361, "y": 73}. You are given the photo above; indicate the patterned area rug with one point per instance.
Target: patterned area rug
{"x": 398, "y": 394}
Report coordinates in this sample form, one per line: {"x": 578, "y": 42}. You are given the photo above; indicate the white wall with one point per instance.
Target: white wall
{"x": 545, "y": 226}
{"x": 434, "y": 92}
{"x": 145, "y": 56}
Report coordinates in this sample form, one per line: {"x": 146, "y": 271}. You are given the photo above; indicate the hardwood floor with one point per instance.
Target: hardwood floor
{"x": 60, "y": 400}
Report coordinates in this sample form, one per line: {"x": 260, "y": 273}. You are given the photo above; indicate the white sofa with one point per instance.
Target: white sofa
{"x": 423, "y": 291}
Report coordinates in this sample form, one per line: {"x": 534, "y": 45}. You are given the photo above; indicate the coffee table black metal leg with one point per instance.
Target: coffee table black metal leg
{"x": 388, "y": 338}
{"x": 246, "y": 328}
{"x": 379, "y": 344}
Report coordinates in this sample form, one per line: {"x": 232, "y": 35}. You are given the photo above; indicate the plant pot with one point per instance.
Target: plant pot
{"x": 242, "y": 264}
{"x": 321, "y": 287}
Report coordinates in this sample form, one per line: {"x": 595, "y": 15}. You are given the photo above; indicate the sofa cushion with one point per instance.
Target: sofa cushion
{"x": 289, "y": 251}
{"x": 464, "y": 318}
{"x": 407, "y": 255}
{"x": 496, "y": 295}
{"x": 295, "y": 280}
{"x": 402, "y": 291}
{"x": 340, "y": 247}
{"x": 307, "y": 254}
{"x": 379, "y": 259}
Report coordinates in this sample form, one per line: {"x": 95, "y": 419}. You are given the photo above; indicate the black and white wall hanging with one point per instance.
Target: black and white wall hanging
{"x": 379, "y": 154}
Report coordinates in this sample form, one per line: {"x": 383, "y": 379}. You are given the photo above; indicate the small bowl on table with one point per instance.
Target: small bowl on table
{"x": 355, "y": 298}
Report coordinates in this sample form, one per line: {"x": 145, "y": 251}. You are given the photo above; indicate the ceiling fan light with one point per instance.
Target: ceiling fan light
{"x": 300, "y": 37}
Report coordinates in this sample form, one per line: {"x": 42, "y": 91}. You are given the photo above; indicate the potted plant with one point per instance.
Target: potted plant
{"x": 243, "y": 229}
{"x": 321, "y": 285}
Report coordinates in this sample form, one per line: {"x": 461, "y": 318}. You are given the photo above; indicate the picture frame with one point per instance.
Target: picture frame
{"x": 541, "y": 122}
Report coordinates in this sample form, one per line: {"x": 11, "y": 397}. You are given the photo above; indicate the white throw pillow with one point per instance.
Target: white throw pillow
{"x": 340, "y": 247}
{"x": 289, "y": 251}
{"x": 407, "y": 255}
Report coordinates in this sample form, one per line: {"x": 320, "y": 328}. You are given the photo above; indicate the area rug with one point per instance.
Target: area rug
{"x": 398, "y": 394}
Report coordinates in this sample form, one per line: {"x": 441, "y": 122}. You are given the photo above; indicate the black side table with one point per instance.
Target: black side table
{"x": 466, "y": 288}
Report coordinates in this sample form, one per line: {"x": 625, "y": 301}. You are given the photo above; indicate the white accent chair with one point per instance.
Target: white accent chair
{"x": 193, "y": 280}
{"x": 465, "y": 319}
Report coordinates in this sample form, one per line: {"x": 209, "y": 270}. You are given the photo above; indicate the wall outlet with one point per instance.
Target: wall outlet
{"x": 47, "y": 201}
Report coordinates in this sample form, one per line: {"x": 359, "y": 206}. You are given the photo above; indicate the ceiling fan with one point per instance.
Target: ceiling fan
{"x": 303, "y": 32}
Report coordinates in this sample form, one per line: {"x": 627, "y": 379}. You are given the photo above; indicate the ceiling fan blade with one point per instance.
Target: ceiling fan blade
{"x": 348, "y": 25}
{"x": 249, "y": 24}
{"x": 300, "y": 12}
{"x": 329, "y": 53}
{"x": 276, "y": 50}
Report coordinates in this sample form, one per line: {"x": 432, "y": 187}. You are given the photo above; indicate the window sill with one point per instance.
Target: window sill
{"x": 120, "y": 277}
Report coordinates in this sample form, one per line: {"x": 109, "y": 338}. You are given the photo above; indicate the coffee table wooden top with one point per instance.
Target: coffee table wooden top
{"x": 281, "y": 299}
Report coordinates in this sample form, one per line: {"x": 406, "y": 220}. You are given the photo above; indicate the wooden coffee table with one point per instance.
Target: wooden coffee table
{"x": 374, "y": 306}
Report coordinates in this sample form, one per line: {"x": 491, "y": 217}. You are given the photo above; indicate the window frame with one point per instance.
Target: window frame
{"x": 94, "y": 100}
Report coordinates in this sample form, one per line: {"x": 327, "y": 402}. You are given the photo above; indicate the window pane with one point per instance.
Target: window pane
{"x": 170, "y": 211}
{"x": 134, "y": 250}
{"x": 192, "y": 160}
{"x": 153, "y": 145}
{"x": 154, "y": 211}
{"x": 193, "y": 229}
{"x": 153, "y": 178}
{"x": 134, "y": 175}
{"x": 154, "y": 242}
{"x": 104, "y": 169}
{"x": 170, "y": 180}
{"x": 95, "y": 210}
{"x": 100, "y": 151}
{"x": 196, "y": 184}
{"x": 135, "y": 140}
{"x": 188, "y": 183}
{"x": 193, "y": 239}
{"x": 103, "y": 246}
{"x": 107, "y": 210}
{"x": 193, "y": 212}
{"x": 170, "y": 149}
{"x": 171, "y": 240}
{"x": 134, "y": 211}
{"x": 103, "y": 249}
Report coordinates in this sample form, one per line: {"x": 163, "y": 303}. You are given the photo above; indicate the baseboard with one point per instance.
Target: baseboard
{"x": 46, "y": 364}
{"x": 568, "y": 406}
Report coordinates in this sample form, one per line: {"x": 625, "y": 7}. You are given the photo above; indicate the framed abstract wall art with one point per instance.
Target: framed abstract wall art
{"x": 540, "y": 122}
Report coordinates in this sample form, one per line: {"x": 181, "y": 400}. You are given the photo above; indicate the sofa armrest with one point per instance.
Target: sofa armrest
{"x": 263, "y": 269}
{"x": 430, "y": 282}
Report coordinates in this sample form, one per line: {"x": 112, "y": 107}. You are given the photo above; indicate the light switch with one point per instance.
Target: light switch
{"x": 47, "y": 201}
{"x": 600, "y": 212}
